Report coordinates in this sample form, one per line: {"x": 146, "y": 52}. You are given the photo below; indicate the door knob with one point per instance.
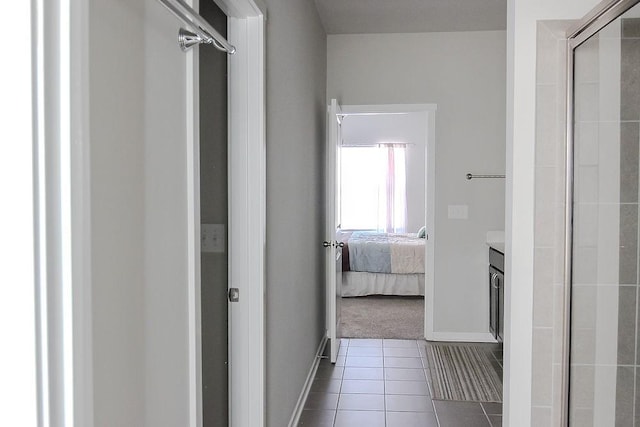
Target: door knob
{"x": 327, "y": 244}
{"x": 234, "y": 294}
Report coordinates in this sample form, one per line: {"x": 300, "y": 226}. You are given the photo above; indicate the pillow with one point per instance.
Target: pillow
{"x": 422, "y": 233}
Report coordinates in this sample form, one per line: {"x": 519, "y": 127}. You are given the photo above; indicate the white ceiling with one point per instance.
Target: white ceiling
{"x": 411, "y": 16}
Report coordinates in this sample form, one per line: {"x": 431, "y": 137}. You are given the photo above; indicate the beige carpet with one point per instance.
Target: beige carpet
{"x": 383, "y": 317}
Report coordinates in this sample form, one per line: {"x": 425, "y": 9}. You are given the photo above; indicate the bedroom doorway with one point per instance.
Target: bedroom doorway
{"x": 385, "y": 201}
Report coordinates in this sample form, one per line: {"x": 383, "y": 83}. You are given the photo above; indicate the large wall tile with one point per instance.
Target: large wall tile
{"x": 625, "y": 396}
{"x": 628, "y": 259}
{"x": 627, "y": 325}
{"x": 629, "y": 137}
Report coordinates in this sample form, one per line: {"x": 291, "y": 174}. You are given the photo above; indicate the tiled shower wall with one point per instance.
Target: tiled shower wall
{"x": 549, "y": 222}
{"x": 629, "y": 300}
{"x": 597, "y": 300}
{"x": 605, "y": 357}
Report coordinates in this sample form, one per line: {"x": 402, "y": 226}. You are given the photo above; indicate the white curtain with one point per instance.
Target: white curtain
{"x": 392, "y": 190}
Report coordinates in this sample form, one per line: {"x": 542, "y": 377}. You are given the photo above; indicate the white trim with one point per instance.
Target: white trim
{"x": 18, "y": 387}
{"x": 387, "y": 108}
{"x": 464, "y": 337}
{"x": 333, "y": 262}
{"x": 247, "y": 221}
{"x": 40, "y": 247}
{"x": 62, "y": 225}
{"x": 192, "y": 121}
{"x": 306, "y": 388}
{"x": 430, "y": 221}
{"x": 430, "y": 186}
{"x": 242, "y": 8}
{"x": 81, "y": 215}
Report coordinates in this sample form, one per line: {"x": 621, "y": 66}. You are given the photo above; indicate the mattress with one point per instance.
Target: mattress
{"x": 367, "y": 251}
{"x": 357, "y": 284}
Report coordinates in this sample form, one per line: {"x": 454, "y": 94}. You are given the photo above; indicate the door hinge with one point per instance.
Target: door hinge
{"x": 234, "y": 294}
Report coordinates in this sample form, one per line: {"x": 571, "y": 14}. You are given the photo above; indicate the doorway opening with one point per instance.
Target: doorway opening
{"x": 214, "y": 207}
{"x": 384, "y": 216}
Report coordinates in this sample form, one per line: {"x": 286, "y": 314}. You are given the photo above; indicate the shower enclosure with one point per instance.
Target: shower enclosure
{"x": 602, "y": 382}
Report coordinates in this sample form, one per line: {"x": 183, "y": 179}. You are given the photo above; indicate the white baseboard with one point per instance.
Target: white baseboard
{"x": 297, "y": 411}
{"x": 463, "y": 337}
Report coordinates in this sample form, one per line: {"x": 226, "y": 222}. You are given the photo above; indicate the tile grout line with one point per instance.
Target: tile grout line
{"x": 418, "y": 346}
{"x": 426, "y": 366}
{"x": 635, "y": 326}
{"x": 484, "y": 411}
{"x": 344, "y": 368}
{"x": 635, "y": 354}
{"x": 384, "y": 384}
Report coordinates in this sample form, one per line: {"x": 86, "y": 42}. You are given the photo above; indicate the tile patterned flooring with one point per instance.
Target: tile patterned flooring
{"x": 382, "y": 383}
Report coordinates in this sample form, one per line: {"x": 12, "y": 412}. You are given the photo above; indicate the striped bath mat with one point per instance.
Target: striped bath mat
{"x": 462, "y": 373}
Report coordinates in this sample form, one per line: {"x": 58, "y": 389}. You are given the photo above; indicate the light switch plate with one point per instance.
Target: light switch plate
{"x": 458, "y": 212}
{"x": 212, "y": 238}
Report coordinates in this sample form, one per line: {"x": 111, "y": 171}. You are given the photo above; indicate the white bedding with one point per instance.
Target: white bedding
{"x": 386, "y": 252}
{"x": 407, "y": 256}
{"x": 356, "y": 284}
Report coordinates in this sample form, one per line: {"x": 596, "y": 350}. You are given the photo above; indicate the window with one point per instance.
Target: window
{"x": 373, "y": 188}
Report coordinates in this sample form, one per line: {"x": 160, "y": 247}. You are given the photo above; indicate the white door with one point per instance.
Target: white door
{"x": 332, "y": 242}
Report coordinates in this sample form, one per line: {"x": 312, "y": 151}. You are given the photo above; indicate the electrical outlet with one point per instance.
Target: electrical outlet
{"x": 458, "y": 212}
{"x": 212, "y": 238}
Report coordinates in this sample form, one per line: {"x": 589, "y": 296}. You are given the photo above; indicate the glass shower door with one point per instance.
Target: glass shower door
{"x": 604, "y": 374}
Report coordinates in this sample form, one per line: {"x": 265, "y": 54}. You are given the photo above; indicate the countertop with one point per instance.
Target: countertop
{"x": 495, "y": 240}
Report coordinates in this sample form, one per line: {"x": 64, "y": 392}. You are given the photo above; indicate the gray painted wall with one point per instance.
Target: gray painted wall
{"x": 138, "y": 215}
{"x": 166, "y": 223}
{"x": 464, "y": 74}
{"x": 117, "y": 210}
{"x": 296, "y": 111}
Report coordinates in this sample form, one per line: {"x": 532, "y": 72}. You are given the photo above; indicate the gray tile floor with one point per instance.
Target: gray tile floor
{"x": 382, "y": 383}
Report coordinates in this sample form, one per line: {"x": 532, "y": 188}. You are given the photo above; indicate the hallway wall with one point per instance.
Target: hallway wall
{"x": 464, "y": 74}
{"x": 117, "y": 132}
{"x": 166, "y": 333}
{"x": 138, "y": 215}
{"x": 296, "y": 116}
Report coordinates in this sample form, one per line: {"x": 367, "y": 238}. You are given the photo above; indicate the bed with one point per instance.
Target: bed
{"x": 382, "y": 264}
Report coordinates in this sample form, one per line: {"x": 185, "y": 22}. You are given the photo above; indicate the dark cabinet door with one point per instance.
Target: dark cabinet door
{"x": 499, "y": 281}
{"x": 493, "y": 302}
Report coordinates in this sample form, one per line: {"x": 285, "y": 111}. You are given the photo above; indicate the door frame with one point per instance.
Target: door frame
{"x": 61, "y": 209}
{"x": 430, "y": 187}
{"x": 247, "y": 216}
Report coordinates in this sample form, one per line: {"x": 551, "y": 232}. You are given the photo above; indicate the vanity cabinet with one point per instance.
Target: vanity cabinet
{"x": 496, "y": 293}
